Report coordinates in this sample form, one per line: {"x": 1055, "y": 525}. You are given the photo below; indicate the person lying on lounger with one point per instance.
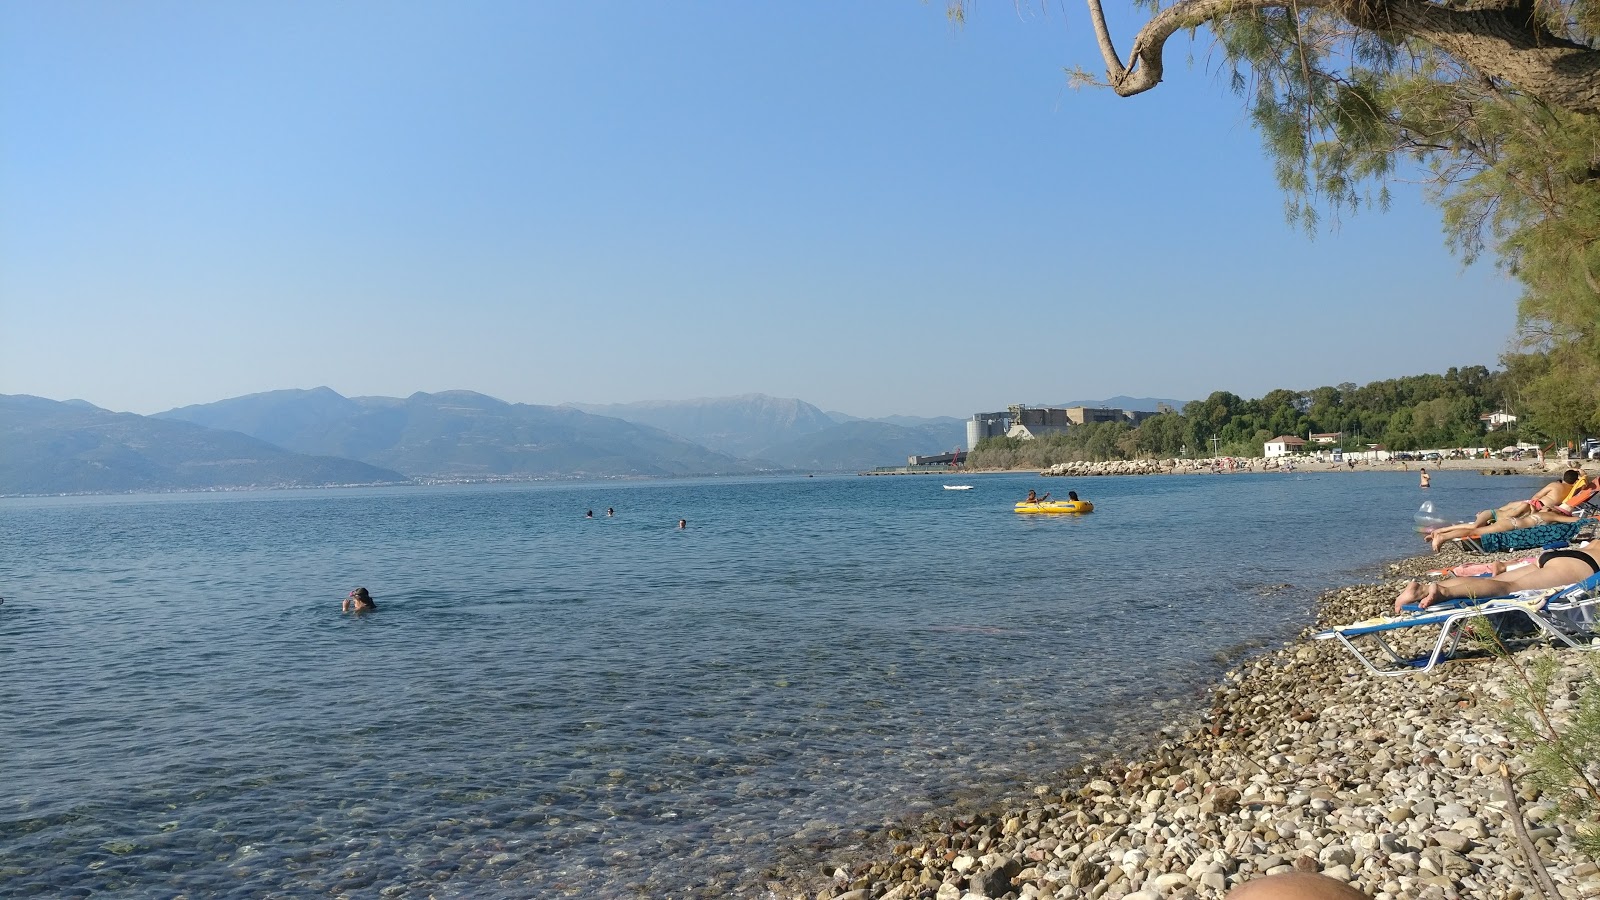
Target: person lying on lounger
{"x": 1555, "y": 568}
{"x": 1441, "y": 536}
{"x": 1552, "y": 494}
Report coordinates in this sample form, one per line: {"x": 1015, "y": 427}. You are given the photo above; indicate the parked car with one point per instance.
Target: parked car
{"x": 1590, "y": 449}
{"x": 1432, "y": 456}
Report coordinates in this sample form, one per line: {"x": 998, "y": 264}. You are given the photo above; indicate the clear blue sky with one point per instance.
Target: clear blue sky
{"x": 851, "y": 203}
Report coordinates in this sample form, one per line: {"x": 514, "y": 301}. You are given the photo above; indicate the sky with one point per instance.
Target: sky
{"x": 855, "y": 204}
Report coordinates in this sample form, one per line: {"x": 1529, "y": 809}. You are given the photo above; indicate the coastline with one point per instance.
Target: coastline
{"x": 1301, "y": 760}
{"x": 1236, "y": 465}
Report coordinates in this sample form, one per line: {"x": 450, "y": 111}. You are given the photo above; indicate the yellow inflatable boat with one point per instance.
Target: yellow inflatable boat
{"x": 1047, "y": 507}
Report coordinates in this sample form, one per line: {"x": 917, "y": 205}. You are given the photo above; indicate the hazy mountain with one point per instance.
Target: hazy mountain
{"x": 298, "y": 420}
{"x": 737, "y": 425}
{"x": 460, "y": 434}
{"x": 83, "y": 404}
{"x": 906, "y": 421}
{"x": 1136, "y": 404}
{"x": 860, "y": 445}
{"x": 76, "y": 447}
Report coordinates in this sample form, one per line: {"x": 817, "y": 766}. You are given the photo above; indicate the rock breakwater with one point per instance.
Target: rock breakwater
{"x": 1114, "y": 467}
{"x": 1300, "y": 760}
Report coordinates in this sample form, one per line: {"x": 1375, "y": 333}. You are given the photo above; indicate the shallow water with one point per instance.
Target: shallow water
{"x": 547, "y": 704}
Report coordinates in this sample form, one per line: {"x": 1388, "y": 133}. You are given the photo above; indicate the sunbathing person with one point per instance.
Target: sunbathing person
{"x": 1555, "y": 568}
{"x": 1448, "y": 533}
{"x": 1552, "y": 494}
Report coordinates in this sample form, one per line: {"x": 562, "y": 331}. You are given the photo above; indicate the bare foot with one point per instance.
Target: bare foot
{"x": 1431, "y": 594}
{"x": 1408, "y": 594}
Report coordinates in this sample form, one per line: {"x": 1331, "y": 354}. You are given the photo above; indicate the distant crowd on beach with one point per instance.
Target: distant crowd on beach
{"x": 1228, "y": 465}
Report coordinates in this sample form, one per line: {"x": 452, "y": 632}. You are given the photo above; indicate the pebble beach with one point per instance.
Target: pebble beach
{"x": 1299, "y": 760}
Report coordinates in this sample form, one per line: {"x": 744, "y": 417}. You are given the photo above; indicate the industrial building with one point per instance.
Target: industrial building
{"x": 1030, "y": 422}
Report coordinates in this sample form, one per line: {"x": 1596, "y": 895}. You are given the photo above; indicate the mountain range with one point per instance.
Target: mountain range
{"x": 75, "y": 447}
{"x": 297, "y": 438}
{"x": 460, "y": 435}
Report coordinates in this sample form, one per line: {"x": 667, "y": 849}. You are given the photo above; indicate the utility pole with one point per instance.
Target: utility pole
{"x": 1214, "y": 442}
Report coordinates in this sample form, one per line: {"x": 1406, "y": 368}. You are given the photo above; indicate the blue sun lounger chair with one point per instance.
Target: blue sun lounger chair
{"x": 1565, "y": 614}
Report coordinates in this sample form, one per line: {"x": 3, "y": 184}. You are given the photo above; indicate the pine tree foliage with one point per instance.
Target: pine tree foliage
{"x": 1557, "y": 728}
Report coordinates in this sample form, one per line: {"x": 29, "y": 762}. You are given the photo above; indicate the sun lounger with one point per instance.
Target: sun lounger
{"x": 1566, "y": 615}
{"x": 1449, "y": 619}
{"x": 1523, "y": 538}
{"x": 1575, "y": 612}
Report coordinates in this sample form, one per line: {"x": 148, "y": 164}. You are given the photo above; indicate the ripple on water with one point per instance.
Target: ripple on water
{"x": 552, "y": 706}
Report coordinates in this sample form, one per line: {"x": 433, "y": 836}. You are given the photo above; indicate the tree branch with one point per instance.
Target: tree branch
{"x": 1491, "y": 37}
{"x": 1143, "y": 71}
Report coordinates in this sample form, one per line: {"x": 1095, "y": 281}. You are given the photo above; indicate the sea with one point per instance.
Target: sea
{"x": 546, "y": 704}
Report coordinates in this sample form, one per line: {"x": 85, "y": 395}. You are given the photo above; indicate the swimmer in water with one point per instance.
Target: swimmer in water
{"x": 589, "y": 514}
{"x": 358, "y": 600}
{"x": 610, "y": 512}
{"x": 683, "y": 524}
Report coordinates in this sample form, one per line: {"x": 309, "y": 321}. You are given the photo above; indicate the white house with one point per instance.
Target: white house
{"x": 1283, "y": 446}
{"x": 1497, "y": 419}
{"x": 1330, "y": 437}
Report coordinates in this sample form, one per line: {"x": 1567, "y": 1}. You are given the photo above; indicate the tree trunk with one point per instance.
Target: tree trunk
{"x": 1500, "y": 42}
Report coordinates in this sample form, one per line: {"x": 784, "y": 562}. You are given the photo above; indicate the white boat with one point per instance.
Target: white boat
{"x": 958, "y": 487}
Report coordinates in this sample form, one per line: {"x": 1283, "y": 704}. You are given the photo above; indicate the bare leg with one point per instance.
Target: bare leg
{"x": 1424, "y": 595}
{"x": 1558, "y": 572}
{"x": 1442, "y": 536}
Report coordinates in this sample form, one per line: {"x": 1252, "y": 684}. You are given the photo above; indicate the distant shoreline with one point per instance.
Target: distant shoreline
{"x": 1220, "y": 466}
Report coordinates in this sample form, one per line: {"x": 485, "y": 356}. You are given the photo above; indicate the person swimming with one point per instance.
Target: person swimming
{"x": 589, "y": 514}
{"x": 610, "y": 512}
{"x": 359, "y": 600}
{"x": 683, "y": 524}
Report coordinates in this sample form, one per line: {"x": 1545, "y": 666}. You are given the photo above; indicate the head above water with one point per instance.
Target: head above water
{"x": 360, "y": 595}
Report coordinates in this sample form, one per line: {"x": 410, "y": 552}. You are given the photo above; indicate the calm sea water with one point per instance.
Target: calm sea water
{"x": 546, "y": 705}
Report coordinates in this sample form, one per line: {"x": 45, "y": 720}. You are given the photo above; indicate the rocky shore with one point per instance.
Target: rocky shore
{"x": 1300, "y": 761}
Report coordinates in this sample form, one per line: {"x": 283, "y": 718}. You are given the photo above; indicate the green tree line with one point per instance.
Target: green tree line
{"x": 1412, "y": 413}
